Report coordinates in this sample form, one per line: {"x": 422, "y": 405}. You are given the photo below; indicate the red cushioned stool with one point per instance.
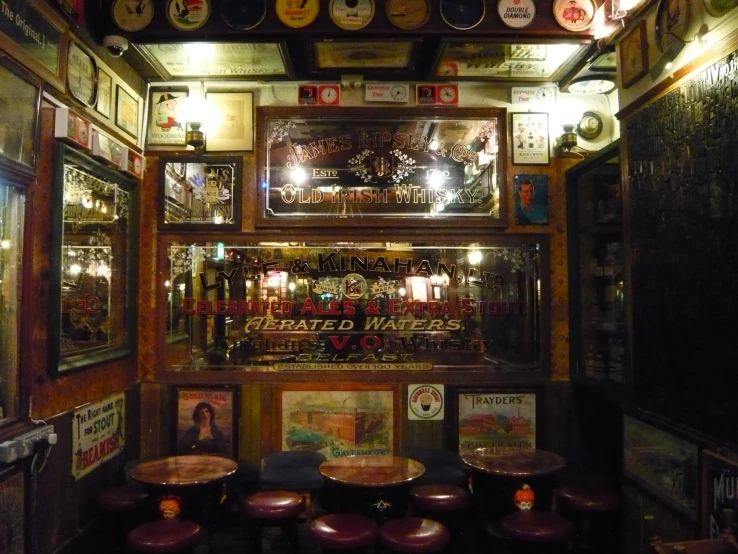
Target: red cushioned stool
{"x": 165, "y": 536}
{"x": 592, "y": 508}
{"x": 444, "y": 503}
{"x": 123, "y": 509}
{"x": 272, "y": 508}
{"x": 343, "y": 532}
{"x": 537, "y": 532}
{"x": 415, "y": 535}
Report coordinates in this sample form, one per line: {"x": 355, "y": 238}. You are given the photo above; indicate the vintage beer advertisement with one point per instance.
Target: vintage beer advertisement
{"x": 98, "y": 433}
{"x": 505, "y": 422}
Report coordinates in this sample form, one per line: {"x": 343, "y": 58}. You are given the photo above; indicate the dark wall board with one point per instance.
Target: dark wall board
{"x": 683, "y": 191}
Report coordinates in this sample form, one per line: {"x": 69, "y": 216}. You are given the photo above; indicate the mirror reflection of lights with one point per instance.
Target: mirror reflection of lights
{"x": 433, "y": 145}
{"x": 298, "y": 176}
{"x": 74, "y": 269}
{"x": 248, "y": 283}
{"x": 474, "y": 257}
{"x": 401, "y": 291}
{"x": 217, "y": 218}
{"x": 291, "y": 286}
{"x": 435, "y": 179}
{"x": 181, "y": 287}
{"x": 167, "y": 284}
{"x": 103, "y": 270}
{"x": 5, "y": 244}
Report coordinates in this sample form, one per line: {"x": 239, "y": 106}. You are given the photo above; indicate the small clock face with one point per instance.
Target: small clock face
{"x": 329, "y": 95}
{"x": 81, "y": 75}
{"x": 447, "y": 94}
{"x": 398, "y": 93}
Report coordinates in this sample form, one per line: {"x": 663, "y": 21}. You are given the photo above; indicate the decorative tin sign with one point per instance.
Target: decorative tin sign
{"x": 98, "y": 434}
{"x": 296, "y": 14}
{"x": 81, "y": 75}
{"x": 188, "y": 15}
{"x": 719, "y": 493}
{"x": 386, "y": 92}
{"x": 503, "y": 421}
{"x": 408, "y": 14}
{"x": 352, "y": 15}
{"x": 72, "y": 128}
{"x": 574, "y": 15}
{"x": 425, "y": 402}
{"x": 516, "y": 14}
{"x": 132, "y": 15}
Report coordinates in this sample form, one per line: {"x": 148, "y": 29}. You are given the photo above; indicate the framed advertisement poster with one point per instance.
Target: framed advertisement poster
{"x": 367, "y": 54}
{"x": 13, "y": 512}
{"x": 662, "y": 463}
{"x": 502, "y": 420}
{"x": 207, "y": 420}
{"x": 531, "y": 198}
{"x": 165, "y": 124}
{"x": 126, "y": 112}
{"x": 530, "y": 144}
{"x": 338, "y": 419}
{"x": 104, "y": 92}
{"x": 719, "y": 480}
{"x": 232, "y": 124}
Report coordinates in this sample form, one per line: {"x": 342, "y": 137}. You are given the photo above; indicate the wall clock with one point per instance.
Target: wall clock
{"x": 448, "y": 94}
{"x": 81, "y": 75}
{"x": 132, "y": 15}
{"x": 297, "y": 13}
{"x": 352, "y": 15}
{"x": 462, "y": 14}
{"x": 188, "y": 15}
{"x": 408, "y": 14}
{"x": 672, "y": 18}
{"x": 243, "y": 15}
{"x": 574, "y": 15}
{"x": 590, "y": 126}
{"x": 329, "y": 95}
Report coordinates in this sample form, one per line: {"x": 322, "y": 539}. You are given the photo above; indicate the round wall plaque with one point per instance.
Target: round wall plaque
{"x": 352, "y": 15}
{"x": 516, "y": 14}
{"x": 297, "y": 13}
{"x": 718, "y": 8}
{"x": 81, "y": 75}
{"x": 574, "y": 15}
{"x": 132, "y": 15}
{"x": 672, "y": 18}
{"x": 243, "y": 15}
{"x": 408, "y": 14}
{"x": 188, "y": 15}
{"x": 462, "y": 14}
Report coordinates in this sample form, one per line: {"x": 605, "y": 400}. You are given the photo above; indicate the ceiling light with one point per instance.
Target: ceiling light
{"x": 591, "y": 84}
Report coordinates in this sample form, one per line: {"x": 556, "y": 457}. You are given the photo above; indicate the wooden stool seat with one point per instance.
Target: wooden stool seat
{"x": 585, "y": 497}
{"x": 124, "y": 498}
{"x": 164, "y": 536}
{"x": 273, "y": 505}
{"x": 343, "y": 531}
{"x": 537, "y": 527}
{"x": 439, "y": 498}
{"x": 415, "y": 535}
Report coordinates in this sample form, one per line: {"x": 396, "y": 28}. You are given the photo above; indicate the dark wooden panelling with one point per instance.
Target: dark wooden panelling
{"x": 684, "y": 235}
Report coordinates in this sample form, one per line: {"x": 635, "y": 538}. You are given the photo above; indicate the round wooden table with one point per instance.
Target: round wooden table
{"x": 377, "y": 486}
{"x": 197, "y": 480}
{"x": 496, "y": 477}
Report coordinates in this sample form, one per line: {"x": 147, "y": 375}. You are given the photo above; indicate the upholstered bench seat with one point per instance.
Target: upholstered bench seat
{"x": 587, "y": 497}
{"x": 343, "y": 531}
{"x": 415, "y": 535}
{"x": 164, "y": 536}
{"x": 273, "y": 505}
{"x": 532, "y": 526}
{"x": 439, "y": 498}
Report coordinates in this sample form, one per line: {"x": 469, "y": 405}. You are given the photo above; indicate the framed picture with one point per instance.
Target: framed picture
{"x": 633, "y": 55}
{"x": 165, "y": 124}
{"x": 604, "y": 60}
{"x": 338, "y": 419}
{"x": 367, "y": 54}
{"x": 200, "y": 191}
{"x": 126, "y": 112}
{"x": 20, "y": 99}
{"x": 207, "y": 420}
{"x": 104, "y": 92}
{"x": 662, "y": 463}
{"x": 503, "y": 420}
{"x": 531, "y": 198}
{"x": 232, "y": 121}
{"x": 13, "y": 511}
{"x": 530, "y": 141}
{"x": 719, "y": 479}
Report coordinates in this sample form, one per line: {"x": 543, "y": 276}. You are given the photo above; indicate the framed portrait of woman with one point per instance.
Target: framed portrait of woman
{"x": 206, "y": 420}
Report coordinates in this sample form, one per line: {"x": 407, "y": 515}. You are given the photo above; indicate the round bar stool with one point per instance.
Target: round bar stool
{"x": 343, "y": 532}
{"x": 537, "y": 532}
{"x": 122, "y": 508}
{"x": 165, "y": 536}
{"x": 591, "y": 506}
{"x": 444, "y": 503}
{"x": 414, "y": 535}
{"x": 272, "y": 508}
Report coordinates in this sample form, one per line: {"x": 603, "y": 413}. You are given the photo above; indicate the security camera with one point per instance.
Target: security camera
{"x": 116, "y": 45}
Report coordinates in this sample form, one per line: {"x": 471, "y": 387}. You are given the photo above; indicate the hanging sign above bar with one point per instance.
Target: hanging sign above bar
{"x": 410, "y": 167}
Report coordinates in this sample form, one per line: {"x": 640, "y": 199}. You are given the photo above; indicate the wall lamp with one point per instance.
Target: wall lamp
{"x": 667, "y": 58}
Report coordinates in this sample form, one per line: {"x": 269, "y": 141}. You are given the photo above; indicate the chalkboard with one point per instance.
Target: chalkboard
{"x": 683, "y": 164}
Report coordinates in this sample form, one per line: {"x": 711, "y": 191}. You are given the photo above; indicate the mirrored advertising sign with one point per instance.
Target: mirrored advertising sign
{"x": 368, "y": 306}
{"x": 393, "y": 166}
